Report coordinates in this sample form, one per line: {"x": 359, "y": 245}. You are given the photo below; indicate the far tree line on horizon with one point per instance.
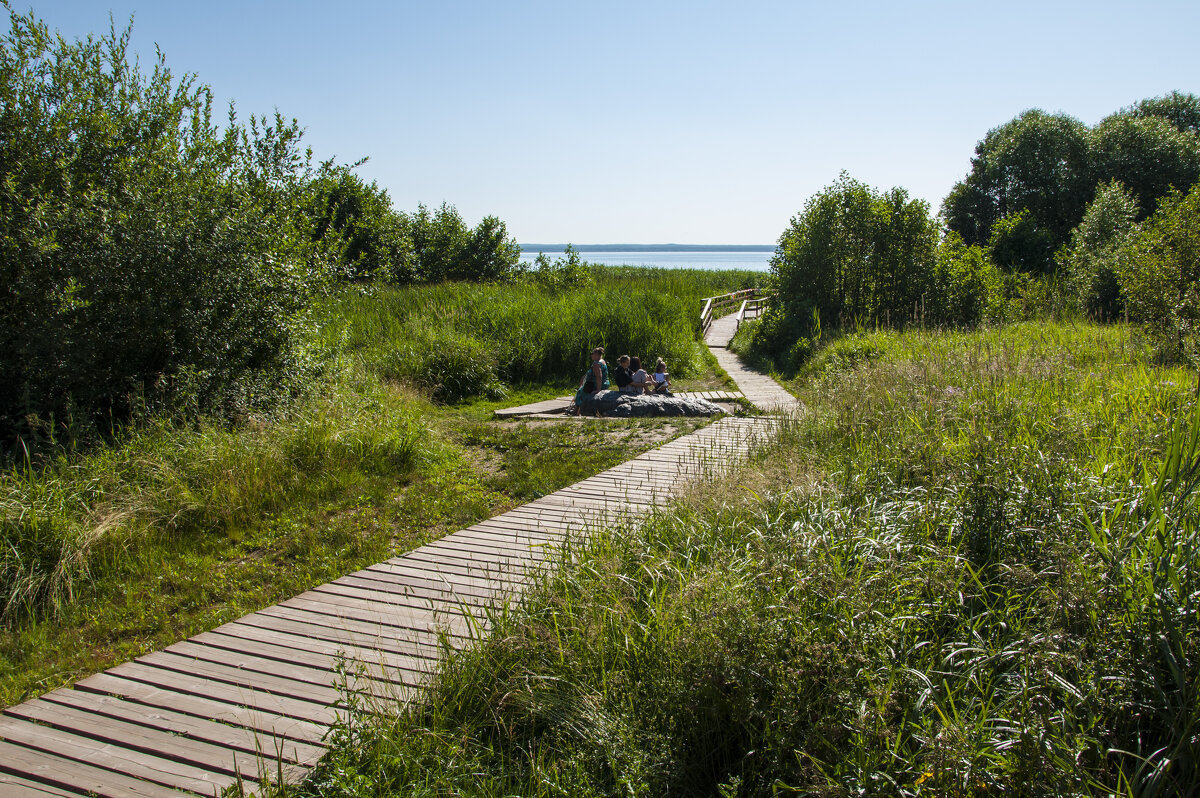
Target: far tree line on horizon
{"x": 151, "y": 257}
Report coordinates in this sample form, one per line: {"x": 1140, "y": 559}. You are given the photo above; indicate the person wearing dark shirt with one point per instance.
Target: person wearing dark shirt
{"x": 621, "y": 375}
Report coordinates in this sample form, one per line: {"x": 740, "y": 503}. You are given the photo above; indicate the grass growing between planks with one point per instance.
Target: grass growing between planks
{"x": 970, "y": 569}
{"x": 175, "y": 527}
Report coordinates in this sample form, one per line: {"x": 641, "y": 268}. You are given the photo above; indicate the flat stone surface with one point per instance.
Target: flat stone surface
{"x": 628, "y": 405}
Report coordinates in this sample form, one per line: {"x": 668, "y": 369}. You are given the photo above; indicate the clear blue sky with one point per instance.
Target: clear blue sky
{"x": 655, "y": 122}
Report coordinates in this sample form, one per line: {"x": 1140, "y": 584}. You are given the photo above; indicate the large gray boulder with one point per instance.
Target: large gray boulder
{"x": 627, "y": 405}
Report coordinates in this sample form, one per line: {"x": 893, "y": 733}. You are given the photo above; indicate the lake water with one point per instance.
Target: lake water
{"x": 758, "y": 260}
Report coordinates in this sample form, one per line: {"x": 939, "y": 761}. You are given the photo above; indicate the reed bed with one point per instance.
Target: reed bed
{"x": 476, "y": 340}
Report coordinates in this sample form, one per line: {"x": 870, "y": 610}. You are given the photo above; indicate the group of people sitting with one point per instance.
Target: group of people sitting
{"x": 628, "y": 375}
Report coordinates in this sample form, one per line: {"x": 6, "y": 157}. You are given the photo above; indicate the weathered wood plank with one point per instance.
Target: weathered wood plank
{"x": 160, "y": 744}
{"x": 115, "y": 758}
{"x": 237, "y": 738}
{"x": 20, "y": 787}
{"x": 259, "y": 720}
{"x": 229, "y": 693}
{"x": 73, "y": 775}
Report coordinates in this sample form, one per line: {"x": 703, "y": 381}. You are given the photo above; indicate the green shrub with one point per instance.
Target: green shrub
{"x": 143, "y": 252}
{"x": 966, "y": 288}
{"x": 1089, "y": 261}
{"x": 1158, "y": 269}
{"x": 855, "y": 255}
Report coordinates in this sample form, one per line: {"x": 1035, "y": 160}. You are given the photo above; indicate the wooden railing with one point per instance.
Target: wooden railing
{"x": 750, "y": 301}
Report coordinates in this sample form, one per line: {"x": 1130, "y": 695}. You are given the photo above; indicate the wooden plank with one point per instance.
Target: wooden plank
{"x": 423, "y": 648}
{"x": 319, "y": 695}
{"x": 482, "y": 570}
{"x": 498, "y": 543}
{"x": 124, "y": 761}
{"x": 229, "y": 693}
{"x": 400, "y": 586}
{"x": 412, "y": 631}
{"x": 73, "y": 775}
{"x": 135, "y": 737}
{"x": 485, "y": 536}
{"x": 505, "y": 558}
{"x": 362, "y": 682}
{"x": 399, "y": 568}
{"x": 400, "y": 619}
{"x": 371, "y": 594}
{"x": 262, "y": 721}
{"x": 519, "y": 531}
{"x": 467, "y": 566}
{"x": 412, "y": 670}
{"x": 255, "y": 646}
{"x": 236, "y": 738}
{"x": 20, "y": 787}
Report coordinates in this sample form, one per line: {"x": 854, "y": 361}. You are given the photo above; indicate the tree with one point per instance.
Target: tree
{"x": 142, "y": 250}
{"x": 444, "y": 248}
{"x": 1089, "y": 261}
{"x": 853, "y": 253}
{"x": 1147, "y": 153}
{"x": 357, "y": 218}
{"x": 1018, "y": 244}
{"x": 966, "y": 288}
{"x": 1038, "y": 163}
{"x": 1180, "y": 109}
{"x": 1158, "y": 269}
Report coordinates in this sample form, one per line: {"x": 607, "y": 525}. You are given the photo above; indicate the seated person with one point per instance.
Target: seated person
{"x": 639, "y": 380}
{"x": 662, "y": 380}
{"x": 594, "y": 380}
{"x": 621, "y": 375}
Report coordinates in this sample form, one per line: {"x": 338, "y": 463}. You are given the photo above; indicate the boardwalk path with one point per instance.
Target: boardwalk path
{"x": 256, "y": 695}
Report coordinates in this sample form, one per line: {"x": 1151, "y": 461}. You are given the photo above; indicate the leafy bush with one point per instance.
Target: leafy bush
{"x": 358, "y": 218}
{"x": 854, "y": 253}
{"x": 570, "y": 270}
{"x": 1158, "y": 269}
{"x": 966, "y": 288}
{"x": 1018, "y": 244}
{"x": 1089, "y": 262}
{"x": 444, "y": 248}
{"x": 143, "y": 253}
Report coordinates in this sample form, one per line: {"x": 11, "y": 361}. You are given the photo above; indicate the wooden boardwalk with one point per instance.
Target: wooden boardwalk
{"x": 252, "y": 699}
{"x": 762, "y": 391}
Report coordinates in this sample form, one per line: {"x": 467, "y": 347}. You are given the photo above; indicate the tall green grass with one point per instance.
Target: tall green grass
{"x": 463, "y": 340}
{"x": 983, "y": 581}
{"x": 65, "y": 517}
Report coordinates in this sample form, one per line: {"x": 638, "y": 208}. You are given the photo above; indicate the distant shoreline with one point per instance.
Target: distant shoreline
{"x": 650, "y": 247}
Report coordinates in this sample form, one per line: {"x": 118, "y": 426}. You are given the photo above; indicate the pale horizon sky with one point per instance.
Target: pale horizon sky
{"x": 655, "y": 122}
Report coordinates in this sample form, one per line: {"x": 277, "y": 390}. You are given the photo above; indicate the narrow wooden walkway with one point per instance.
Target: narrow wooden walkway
{"x": 762, "y": 391}
{"x": 252, "y": 699}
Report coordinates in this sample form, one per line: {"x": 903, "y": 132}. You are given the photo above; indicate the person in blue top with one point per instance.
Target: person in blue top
{"x": 595, "y": 379}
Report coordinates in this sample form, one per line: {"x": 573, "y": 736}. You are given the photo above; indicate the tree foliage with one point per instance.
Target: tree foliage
{"x": 1034, "y": 176}
{"x": 1037, "y": 162}
{"x": 1158, "y": 269}
{"x": 854, "y": 253}
{"x": 358, "y": 219}
{"x": 445, "y": 248}
{"x": 1089, "y": 261}
{"x": 141, "y": 248}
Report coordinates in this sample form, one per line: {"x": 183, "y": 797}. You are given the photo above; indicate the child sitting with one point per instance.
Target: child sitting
{"x": 662, "y": 380}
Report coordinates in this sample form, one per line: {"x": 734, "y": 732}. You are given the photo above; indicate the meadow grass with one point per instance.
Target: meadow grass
{"x": 968, "y": 569}
{"x": 462, "y": 342}
{"x": 176, "y": 525}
